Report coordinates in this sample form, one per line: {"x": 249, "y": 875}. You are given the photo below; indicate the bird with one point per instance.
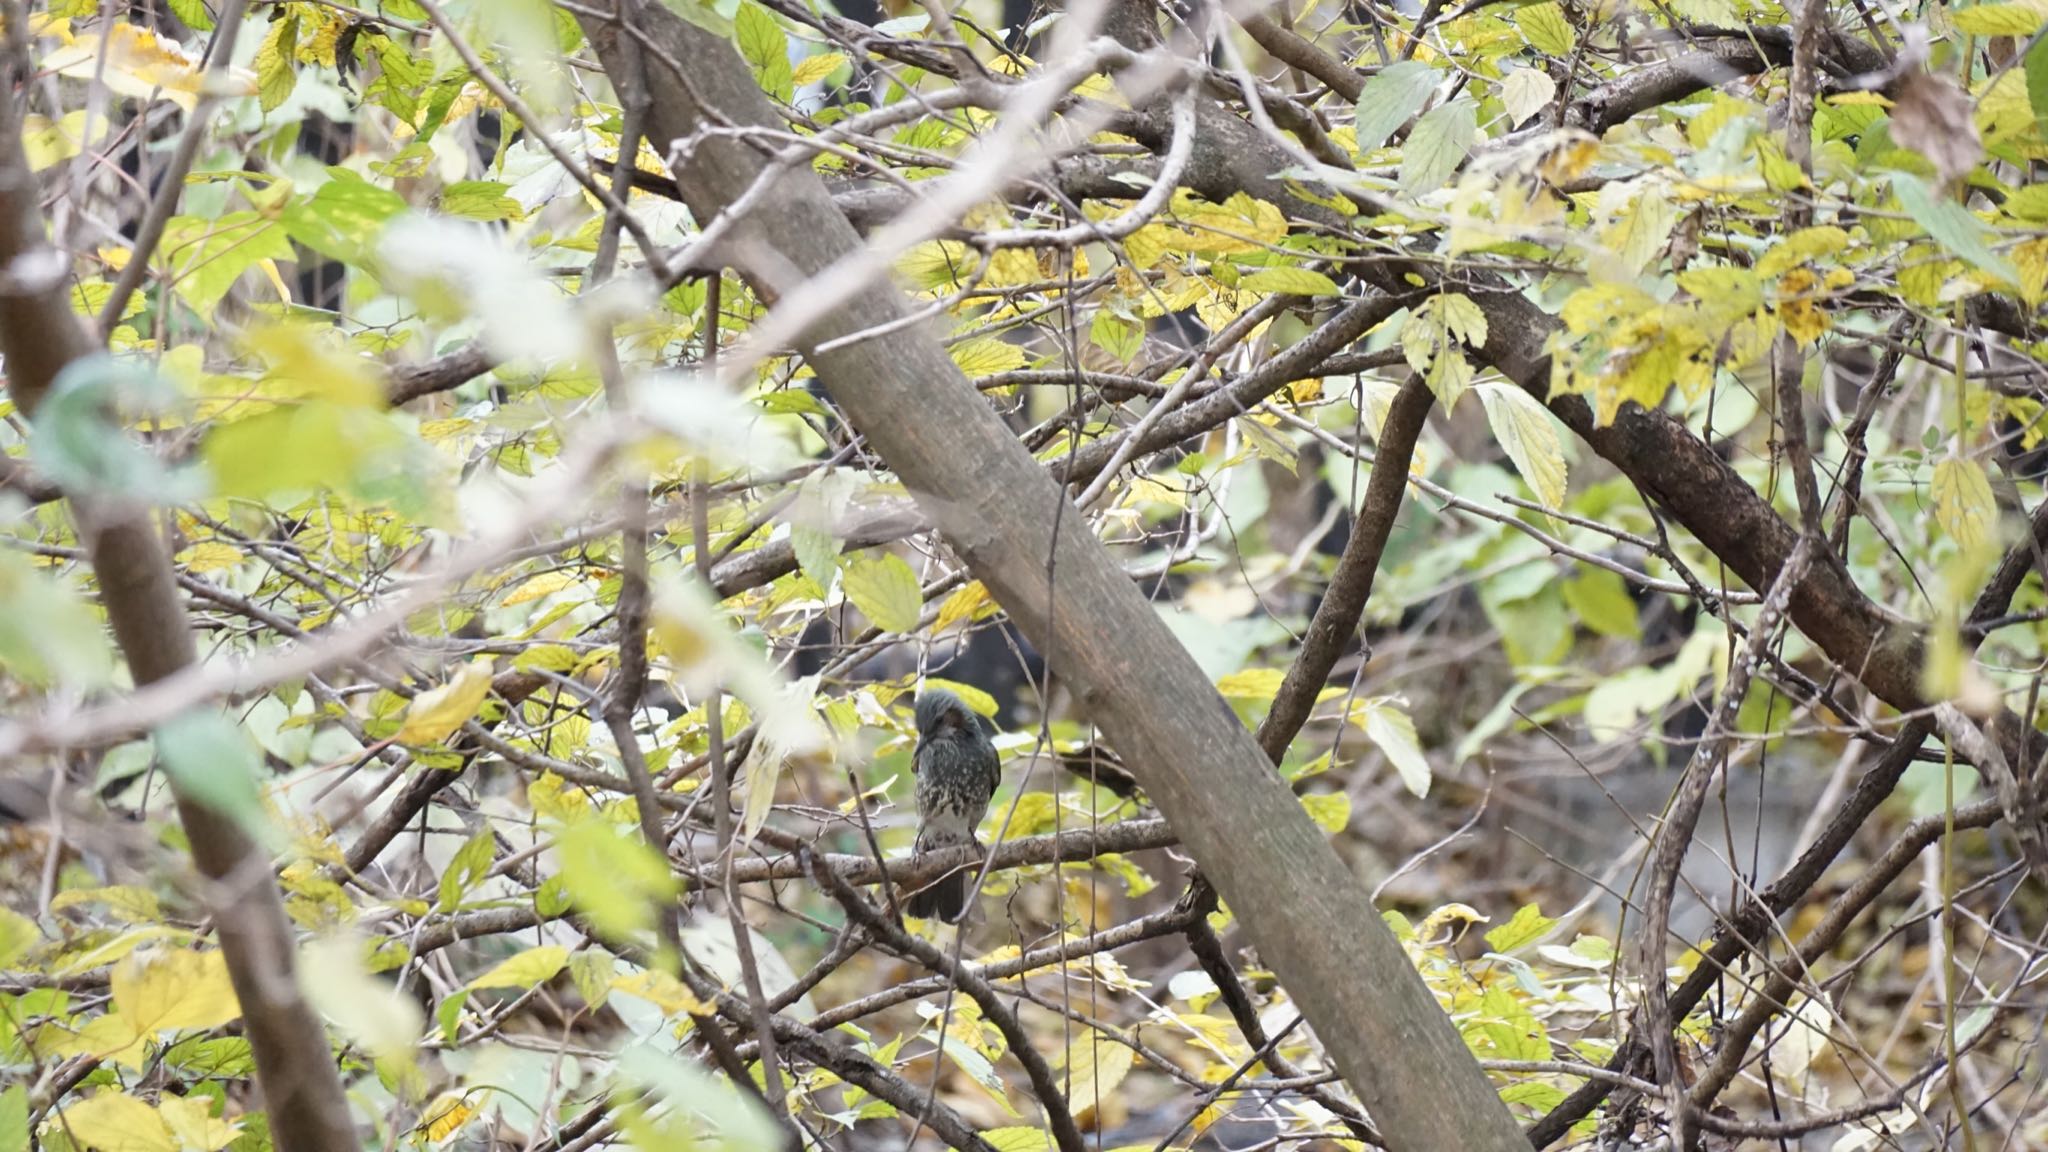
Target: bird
{"x": 957, "y": 773}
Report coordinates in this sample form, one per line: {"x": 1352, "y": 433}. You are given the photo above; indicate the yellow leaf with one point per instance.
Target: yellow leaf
{"x": 436, "y": 714}
{"x": 1012, "y": 266}
{"x": 276, "y": 74}
{"x": 1094, "y": 1064}
{"x": 1018, "y": 1139}
{"x": 883, "y": 586}
{"x": 1291, "y": 281}
{"x": 139, "y": 63}
{"x": 18, "y": 934}
{"x": 543, "y": 585}
{"x": 211, "y": 556}
{"x": 306, "y": 362}
{"x": 977, "y": 701}
{"x": 2030, "y": 259}
{"x": 191, "y": 1122}
{"x": 552, "y": 797}
{"x": 1252, "y": 684}
{"x": 531, "y": 967}
{"x": 50, "y": 142}
{"x": 1571, "y": 159}
{"x": 111, "y": 1037}
{"x": 446, "y": 1116}
{"x": 661, "y": 990}
{"x": 1010, "y": 64}
{"x": 1962, "y": 502}
{"x": 986, "y": 356}
{"x": 1525, "y": 430}
{"x": 937, "y": 265}
{"x": 168, "y": 990}
{"x": 815, "y": 68}
{"x": 1239, "y": 224}
{"x": 962, "y": 606}
{"x": 319, "y": 47}
{"x": 1797, "y": 292}
{"x": 1330, "y": 810}
{"x": 1460, "y": 913}
{"x": 374, "y": 1014}
{"x": 113, "y": 1121}
{"x": 1149, "y": 245}
{"x": 126, "y": 901}
{"x": 1803, "y": 246}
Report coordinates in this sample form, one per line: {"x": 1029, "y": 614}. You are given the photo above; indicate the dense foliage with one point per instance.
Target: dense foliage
{"x": 1675, "y": 693}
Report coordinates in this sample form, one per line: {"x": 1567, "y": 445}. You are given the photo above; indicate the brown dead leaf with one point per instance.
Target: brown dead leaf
{"x": 1933, "y": 116}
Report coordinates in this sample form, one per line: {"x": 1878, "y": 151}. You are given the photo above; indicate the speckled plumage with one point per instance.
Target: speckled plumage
{"x": 957, "y": 773}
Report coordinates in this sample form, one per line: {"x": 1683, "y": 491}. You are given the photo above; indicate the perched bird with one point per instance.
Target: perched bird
{"x": 957, "y": 774}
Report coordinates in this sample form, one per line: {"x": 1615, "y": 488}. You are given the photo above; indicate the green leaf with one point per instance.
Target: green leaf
{"x": 703, "y": 1111}
{"x": 300, "y": 448}
{"x": 1450, "y": 374}
{"x": 448, "y": 1014}
{"x": 471, "y": 864}
{"x": 402, "y": 78}
{"x": 79, "y": 439}
{"x": 1528, "y": 434}
{"x": 1529, "y": 925}
{"x": 1018, "y": 1139}
{"x": 1290, "y": 281}
{"x": 617, "y": 880}
{"x": 1388, "y": 727}
{"x": 527, "y": 969}
{"x": 766, "y": 47}
{"x": 1999, "y": 19}
{"x": 215, "y": 1058}
{"x": 1116, "y": 335}
{"x": 1546, "y": 29}
{"x": 1398, "y": 92}
{"x": 480, "y": 200}
{"x": 1601, "y": 601}
{"x": 1962, "y": 502}
{"x": 206, "y": 257}
{"x": 343, "y": 218}
{"x": 276, "y": 70}
{"x": 592, "y": 972}
{"x": 1436, "y": 147}
{"x": 1953, "y": 226}
{"x": 18, "y": 934}
{"x": 211, "y": 760}
{"x": 986, "y": 356}
{"x": 1330, "y": 810}
{"x": 883, "y": 587}
{"x": 48, "y": 635}
{"x": 2037, "y": 84}
{"x": 194, "y": 13}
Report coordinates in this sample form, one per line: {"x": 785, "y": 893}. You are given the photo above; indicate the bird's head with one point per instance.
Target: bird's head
{"x": 940, "y": 713}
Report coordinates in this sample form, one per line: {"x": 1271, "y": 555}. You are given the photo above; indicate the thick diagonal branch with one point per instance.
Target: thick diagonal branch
{"x": 1002, "y": 513}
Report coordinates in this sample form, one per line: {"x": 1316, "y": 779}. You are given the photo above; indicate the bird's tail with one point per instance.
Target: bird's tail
{"x": 946, "y": 898}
